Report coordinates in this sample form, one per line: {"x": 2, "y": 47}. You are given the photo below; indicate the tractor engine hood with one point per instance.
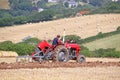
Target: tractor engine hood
{"x": 73, "y": 45}
{"x": 44, "y": 44}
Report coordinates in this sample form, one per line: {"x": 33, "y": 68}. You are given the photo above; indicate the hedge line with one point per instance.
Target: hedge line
{"x": 26, "y": 49}
{"x": 22, "y": 48}
{"x": 110, "y": 52}
{"x": 28, "y": 45}
{"x": 99, "y": 36}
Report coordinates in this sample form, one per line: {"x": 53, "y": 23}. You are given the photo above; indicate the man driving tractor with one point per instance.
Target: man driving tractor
{"x": 56, "y": 40}
{"x": 58, "y": 51}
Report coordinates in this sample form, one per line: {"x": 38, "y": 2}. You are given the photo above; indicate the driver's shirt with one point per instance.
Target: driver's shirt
{"x": 55, "y": 41}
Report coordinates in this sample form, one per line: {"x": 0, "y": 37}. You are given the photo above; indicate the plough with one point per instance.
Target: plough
{"x": 59, "y": 53}
{"x": 24, "y": 58}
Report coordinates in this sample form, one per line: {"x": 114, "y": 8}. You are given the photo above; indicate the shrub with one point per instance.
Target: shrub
{"x": 115, "y": 54}
{"x": 6, "y": 46}
{"x": 86, "y": 52}
{"x": 99, "y": 36}
{"x": 20, "y": 48}
{"x": 73, "y": 38}
{"x": 110, "y": 52}
{"x": 118, "y": 29}
{"x": 33, "y": 41}
{"x": 24, "y": 48}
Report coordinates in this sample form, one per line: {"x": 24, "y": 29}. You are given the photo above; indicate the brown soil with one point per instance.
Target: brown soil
{"x": 32, "y": 65}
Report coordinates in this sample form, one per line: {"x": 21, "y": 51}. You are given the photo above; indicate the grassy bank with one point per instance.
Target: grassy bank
{"x": 108, "y": 42}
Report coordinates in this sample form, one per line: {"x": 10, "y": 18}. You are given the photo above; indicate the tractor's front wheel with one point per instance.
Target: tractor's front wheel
{"x": 61, "y": 54}
{"x": 81, "y": 59}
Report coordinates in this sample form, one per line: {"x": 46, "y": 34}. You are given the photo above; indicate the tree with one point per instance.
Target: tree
{"x": 66, "y": 4}
{"x": 73, "y": 37}
{"x": 42, "y": 16}
{"x": 113, "y": 6}
{"x": 21, "y": 4}
{"x": 42, "y": 3}
{"x": 14, "y": 3}
{"x": 25, "y": 6}
{"x": 96, "y": 2}
{"x": 20, "y": 20}
{"x": 6, "y": 20}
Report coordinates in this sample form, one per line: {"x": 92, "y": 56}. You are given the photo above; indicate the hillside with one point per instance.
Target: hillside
{"x": 108, "y": 42}
{"x": 83, "y": 26}
{"x": 34, "y": 11}
{"x": 4, "y": 4}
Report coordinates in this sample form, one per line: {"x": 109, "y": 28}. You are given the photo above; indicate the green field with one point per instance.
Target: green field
{"x": 4, "y": 4}
{"x": 50, "y": 4}
{"x": 108, "y": 42}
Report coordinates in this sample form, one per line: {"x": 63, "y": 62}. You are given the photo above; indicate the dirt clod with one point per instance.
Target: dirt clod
{"x": 32, "y": 65}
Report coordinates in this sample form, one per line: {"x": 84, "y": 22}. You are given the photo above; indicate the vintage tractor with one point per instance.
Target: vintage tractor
{"x": 59, "y": 53}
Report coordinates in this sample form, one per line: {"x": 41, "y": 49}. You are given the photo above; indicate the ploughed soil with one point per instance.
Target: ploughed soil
{"x": 31, "y": 65}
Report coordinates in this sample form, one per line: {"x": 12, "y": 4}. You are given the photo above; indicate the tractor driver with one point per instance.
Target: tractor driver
{"x": 56, "y": 40}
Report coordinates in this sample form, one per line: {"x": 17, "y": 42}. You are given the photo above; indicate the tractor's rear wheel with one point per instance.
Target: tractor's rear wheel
{"x": 81, "y": 59}
{"x": 61, "y": 54}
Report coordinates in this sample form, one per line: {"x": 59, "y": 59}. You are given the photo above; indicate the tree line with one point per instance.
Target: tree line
{"x": 23, "y": 11}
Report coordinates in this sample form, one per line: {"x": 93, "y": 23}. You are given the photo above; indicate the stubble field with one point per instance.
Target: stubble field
{"x": 83, "y": 26}
{"x": 78, "y": 73}
{"x": 4, "y": 4}
{"x": 93, "y": 69}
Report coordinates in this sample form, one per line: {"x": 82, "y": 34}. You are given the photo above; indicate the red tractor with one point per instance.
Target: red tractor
{"x": 58, "y": 53}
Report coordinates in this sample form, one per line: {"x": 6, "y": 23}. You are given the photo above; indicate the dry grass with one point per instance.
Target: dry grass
{"x": 8, "y": 54}
{"x": 13, "y": 60}
{"x": 83, "y": 26}
{"x": 4, "y": 4}
{"x": 8, "y": 60}
{"x": 80, "y": 73}
{"x": 83, "y": 73}
{"x": 103, "y": 59}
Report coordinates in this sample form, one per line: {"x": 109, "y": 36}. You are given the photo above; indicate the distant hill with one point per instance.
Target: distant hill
{"x": 4, "y": 4}
{"x": 108, "y": 42}
{"x": 83, "y": 26}
{"x": 33, "y": 11}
